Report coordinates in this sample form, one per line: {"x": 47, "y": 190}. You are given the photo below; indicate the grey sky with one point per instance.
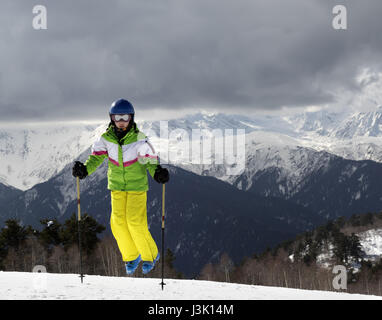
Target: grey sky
{"x": 172, "y": 56}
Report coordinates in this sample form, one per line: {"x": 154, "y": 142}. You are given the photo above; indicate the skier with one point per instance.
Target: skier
{"x": 129, "y": 155}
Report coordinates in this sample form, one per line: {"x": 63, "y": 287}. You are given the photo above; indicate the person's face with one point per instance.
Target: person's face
{"x": 121, "y": 120}
{"x": 122, "y": 124}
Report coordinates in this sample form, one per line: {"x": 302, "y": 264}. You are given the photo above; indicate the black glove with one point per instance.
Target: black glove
{"x": 161, "y": 175}
{"x": 79, "y": 170}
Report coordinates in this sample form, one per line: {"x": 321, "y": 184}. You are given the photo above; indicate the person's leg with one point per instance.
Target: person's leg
{"x": 120, "y": 228}
{"x": 136, "y": 214}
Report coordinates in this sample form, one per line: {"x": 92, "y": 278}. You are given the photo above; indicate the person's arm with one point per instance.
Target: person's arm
{"x": 148, "y": 157}
{"x": 99, "y": 153}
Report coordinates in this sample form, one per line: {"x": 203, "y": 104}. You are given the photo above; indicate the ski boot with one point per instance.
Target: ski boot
{"x": 131, "y": 266}
{"x": 147, "y": 266}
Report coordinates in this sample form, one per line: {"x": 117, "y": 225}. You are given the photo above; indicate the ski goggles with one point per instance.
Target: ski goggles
{"x": 121, "y": 117}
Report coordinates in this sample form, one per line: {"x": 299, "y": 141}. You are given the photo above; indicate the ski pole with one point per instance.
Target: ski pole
{"x": 163, "y": 198}
{"x": 79, "y": 227}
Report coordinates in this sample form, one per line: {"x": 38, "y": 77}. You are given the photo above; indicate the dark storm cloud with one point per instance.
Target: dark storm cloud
{"x": 174, "y": 54}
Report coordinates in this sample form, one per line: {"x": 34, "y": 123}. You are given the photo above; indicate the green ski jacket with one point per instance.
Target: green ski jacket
{"x": 128, "y": 159}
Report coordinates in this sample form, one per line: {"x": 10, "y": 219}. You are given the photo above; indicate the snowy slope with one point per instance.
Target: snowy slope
{"x": 47, "y": 286}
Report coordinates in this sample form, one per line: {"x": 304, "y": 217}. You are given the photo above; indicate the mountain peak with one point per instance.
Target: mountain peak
{"x": 208, "y": 113}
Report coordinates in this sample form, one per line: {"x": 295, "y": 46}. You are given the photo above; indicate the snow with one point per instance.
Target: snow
{"x": 49, "y": 286}
{"x": 371, "y": 245}
{"x": 371, "y": 242}
{"x": 39, "y": 151}
{"x": 325, "y": 259}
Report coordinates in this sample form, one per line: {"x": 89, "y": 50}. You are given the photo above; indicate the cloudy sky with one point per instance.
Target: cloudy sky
{"x": 170, "y": 57}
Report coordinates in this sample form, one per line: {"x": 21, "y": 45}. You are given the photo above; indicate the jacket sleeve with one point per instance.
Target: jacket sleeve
{"x": 148, "y": 157}
{"x": 99, "y": 153}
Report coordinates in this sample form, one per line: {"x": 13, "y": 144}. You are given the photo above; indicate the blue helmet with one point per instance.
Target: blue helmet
{"x": 121, "y": 106}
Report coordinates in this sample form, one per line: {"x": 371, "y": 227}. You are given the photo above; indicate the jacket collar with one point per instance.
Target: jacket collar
{"x": 128, "y": 135}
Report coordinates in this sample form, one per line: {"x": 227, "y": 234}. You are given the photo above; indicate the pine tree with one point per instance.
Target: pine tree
{"x": 50, "y": 236}
{"x": 12, "y": 239}
{"x": 89, "y": 230}
{"x": 12, "y": 235}
{"x": 355, "y": 248}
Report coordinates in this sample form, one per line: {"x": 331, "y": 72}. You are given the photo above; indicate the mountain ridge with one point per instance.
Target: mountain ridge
{"x": 36, "y": 154}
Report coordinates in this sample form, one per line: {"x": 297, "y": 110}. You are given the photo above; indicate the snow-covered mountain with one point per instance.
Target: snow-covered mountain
{"x": 276, "y": 164}
{"x": 36, "y": 153}
{"x": 299, "y": 189}
{"x": 344, "y": 126}
{"x": 363, "y": 124}
{"x": 321, "y": 122}
{"x": 355, "y": 135}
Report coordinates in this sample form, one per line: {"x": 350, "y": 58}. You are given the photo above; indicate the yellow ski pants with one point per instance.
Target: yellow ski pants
{"x": 128, "y": 223}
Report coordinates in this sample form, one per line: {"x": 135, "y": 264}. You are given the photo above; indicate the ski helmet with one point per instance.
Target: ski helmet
{"x": 121, "y": 106}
